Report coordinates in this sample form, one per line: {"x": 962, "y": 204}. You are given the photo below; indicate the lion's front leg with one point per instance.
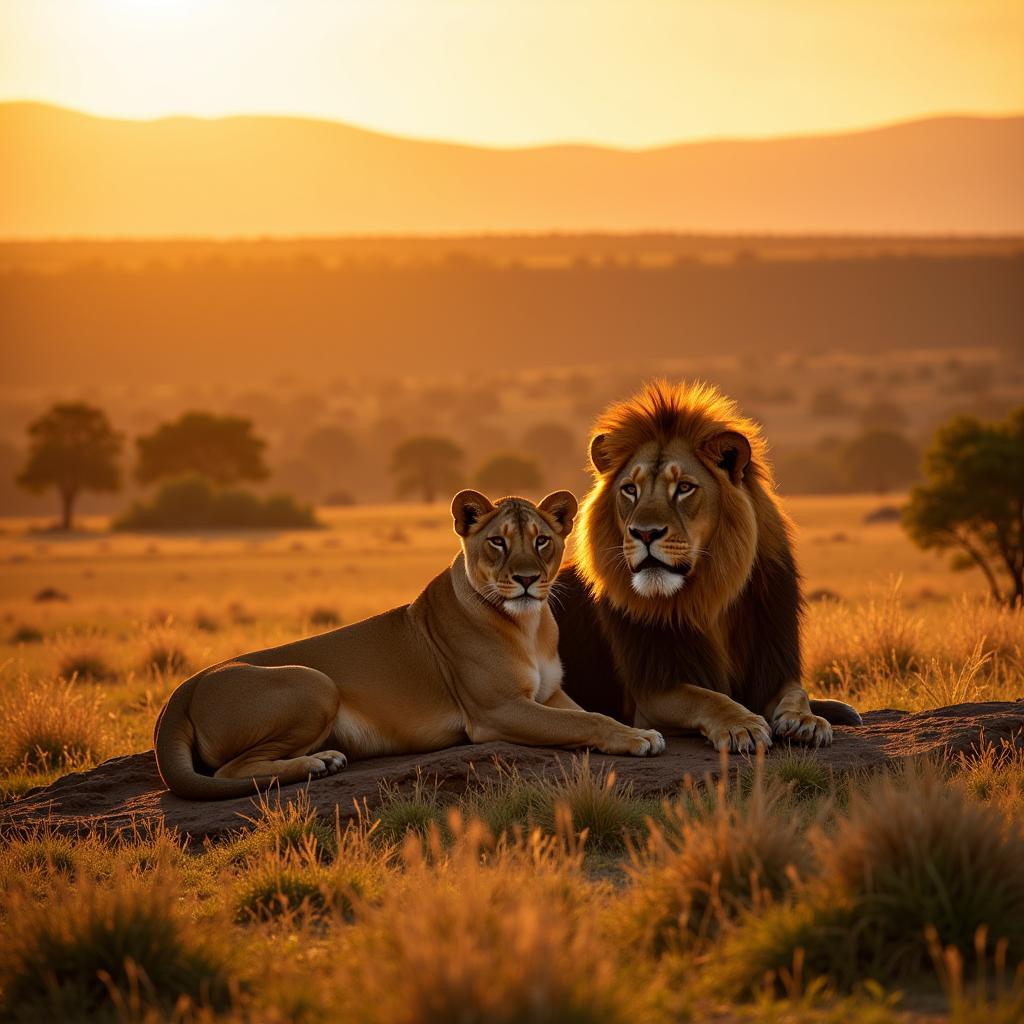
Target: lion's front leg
{"x": 724, "y": 723}
{"x": 792, "y": 719}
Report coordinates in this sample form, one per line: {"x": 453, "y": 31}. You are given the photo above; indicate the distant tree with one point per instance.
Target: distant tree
{"x": 972, "y": 500}
{"x": 878, "y": 460}
{"x": 74, "y": 448}
{"x": 509, "y": 473}
{"x": 224, "y": 449}
{"x": 428, "y": 466}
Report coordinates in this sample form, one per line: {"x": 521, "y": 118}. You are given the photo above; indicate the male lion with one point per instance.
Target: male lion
{"x": 682, "y": 610}
{"x": 474, "y": 656}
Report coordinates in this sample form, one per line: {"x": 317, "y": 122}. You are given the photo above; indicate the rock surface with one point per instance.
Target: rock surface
{"x": 126, "y": 792}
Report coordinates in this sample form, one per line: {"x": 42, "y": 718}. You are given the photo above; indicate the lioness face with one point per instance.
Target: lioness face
{"x": 667, "y": 503}
{"x": 513, "y": 549}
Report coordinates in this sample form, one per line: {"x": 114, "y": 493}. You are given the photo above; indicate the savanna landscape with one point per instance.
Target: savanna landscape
{"x": 277, "y": 281}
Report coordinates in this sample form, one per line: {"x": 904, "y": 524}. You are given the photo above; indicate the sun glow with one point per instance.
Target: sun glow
{"x": 508, "y": 72}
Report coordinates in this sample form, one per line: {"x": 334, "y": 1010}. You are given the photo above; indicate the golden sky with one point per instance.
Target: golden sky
{"x": 510, "y": 72}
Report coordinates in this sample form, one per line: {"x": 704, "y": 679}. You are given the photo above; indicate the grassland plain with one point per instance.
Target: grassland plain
{"x": 785, "y": 895}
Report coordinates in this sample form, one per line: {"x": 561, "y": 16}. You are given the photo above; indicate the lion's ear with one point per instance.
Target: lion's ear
{"x": 468, "y": 507}
{"x": 598, "y": 456}
{"x": 562, "y": 506}
{"x": 730, "y": 451}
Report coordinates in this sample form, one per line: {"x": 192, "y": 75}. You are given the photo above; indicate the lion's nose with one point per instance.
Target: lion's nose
{"x": 526, "y": 581}
{"x": 650, "y": 535}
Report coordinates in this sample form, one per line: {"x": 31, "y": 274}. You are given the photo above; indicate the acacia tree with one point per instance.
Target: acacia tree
{"x": 74, "y": 448}
{"x": 509, "y": 474}
{"x": 427, "y": 466}
{"x": 972, "y": 501}
{"x": 224, "y": 449}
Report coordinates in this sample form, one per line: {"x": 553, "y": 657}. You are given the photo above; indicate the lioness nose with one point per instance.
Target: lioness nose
{"x": 526, "y": 581}
{"x": 650, "y": 535}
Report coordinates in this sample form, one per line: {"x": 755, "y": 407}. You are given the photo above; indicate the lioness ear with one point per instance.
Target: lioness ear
{"x": 467, "y": 508}
{"x": 562, "y": 506}
{"x": 730, "y": 451}
{"x": 598, "y": 456}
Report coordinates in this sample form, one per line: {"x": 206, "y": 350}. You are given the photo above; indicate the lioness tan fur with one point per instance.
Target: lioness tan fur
{"x": 474, "y": 657}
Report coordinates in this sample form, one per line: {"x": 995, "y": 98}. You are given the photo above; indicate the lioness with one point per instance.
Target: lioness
{"x": 474, "y": 656}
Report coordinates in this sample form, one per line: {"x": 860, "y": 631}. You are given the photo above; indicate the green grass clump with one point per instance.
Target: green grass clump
{"x": 89, "y": 950}
{"x": 418, "y": 812}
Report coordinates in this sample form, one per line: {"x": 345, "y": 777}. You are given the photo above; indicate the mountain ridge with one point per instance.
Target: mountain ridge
{"x": 73, "y": 174}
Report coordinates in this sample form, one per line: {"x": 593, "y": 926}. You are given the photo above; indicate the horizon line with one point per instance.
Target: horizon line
{"x": 863, "y": 129}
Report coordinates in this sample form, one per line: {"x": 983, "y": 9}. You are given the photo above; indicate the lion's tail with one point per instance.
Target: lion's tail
{"x": 174, "y": 740}
{"x": 835, "y": 712}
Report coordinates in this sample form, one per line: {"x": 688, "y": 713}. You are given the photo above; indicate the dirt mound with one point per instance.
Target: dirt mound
{"x": 126, "y": 791}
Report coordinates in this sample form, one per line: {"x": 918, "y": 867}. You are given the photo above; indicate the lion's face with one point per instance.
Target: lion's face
{"x": 513, "y": 549}
{"x": 666, "y": 503}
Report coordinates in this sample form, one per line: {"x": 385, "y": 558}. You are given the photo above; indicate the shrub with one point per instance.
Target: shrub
{"x": 192, "y": 502}
{"x": 51, "y": 724}
{"x": 323, "y": 616}
{"x": 128, "y": 940}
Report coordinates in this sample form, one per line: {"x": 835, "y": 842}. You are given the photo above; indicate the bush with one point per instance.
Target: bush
{"x": 83, "y": 657}
{"x": 88, "y": 948}
{"x": 193, "y": 503}
{"x": 164, "y": 654}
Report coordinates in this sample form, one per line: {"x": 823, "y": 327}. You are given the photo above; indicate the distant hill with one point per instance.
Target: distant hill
{"x": 67, "y": 174}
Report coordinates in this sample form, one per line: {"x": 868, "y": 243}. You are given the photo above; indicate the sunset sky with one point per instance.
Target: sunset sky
{"x": 512, "y": 72}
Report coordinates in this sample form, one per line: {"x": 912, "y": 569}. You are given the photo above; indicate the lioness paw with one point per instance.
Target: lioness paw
{"x": 648, "y": 743}
{"x": 742, "y": 736}
{"x": 330, "y": 762}
{"x": 803, "y": 727}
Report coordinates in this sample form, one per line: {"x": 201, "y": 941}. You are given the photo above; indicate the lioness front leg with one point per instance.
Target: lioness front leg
{"x": 544, "y": 725}
{"x": 792, "y": 719}
{"x": 725, "y": 724}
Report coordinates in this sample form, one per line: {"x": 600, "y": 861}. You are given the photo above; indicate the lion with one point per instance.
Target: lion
{"x": 474, "y": 657}
{"x": 682, "y": 608}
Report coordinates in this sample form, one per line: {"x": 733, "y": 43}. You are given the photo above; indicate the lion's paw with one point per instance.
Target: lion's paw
{"x": 803, "y": 727}
{"x": 741, "y": 736}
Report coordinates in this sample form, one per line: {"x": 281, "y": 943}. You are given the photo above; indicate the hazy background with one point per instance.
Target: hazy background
{"x": 817, "y": 207}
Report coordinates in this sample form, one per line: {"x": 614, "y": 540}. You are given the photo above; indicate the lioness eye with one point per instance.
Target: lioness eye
{"x": 498, "y": 542}
{"x": 543, "y": 542}
{"x": 629, "y": 490}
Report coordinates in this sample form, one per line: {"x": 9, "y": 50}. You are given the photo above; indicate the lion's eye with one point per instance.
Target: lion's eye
{"x": 685, "y": 488}
{"x": 629, "y": 490}
{"x": 497, "y": 542}
{"x": 543, "y": 542}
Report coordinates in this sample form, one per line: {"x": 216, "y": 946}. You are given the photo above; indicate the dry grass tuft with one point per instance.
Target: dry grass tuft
{"x": 698, "y": 873}
{"x": 51, "y": 725}
{"x": 85, "y": 658}
{"x": 120, "y": 947}
{"x": 484, "y": 933}
{"x": 164, "y": 653}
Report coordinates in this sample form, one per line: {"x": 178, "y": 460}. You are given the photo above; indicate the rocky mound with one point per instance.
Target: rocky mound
{"x": 126, "y": 792}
